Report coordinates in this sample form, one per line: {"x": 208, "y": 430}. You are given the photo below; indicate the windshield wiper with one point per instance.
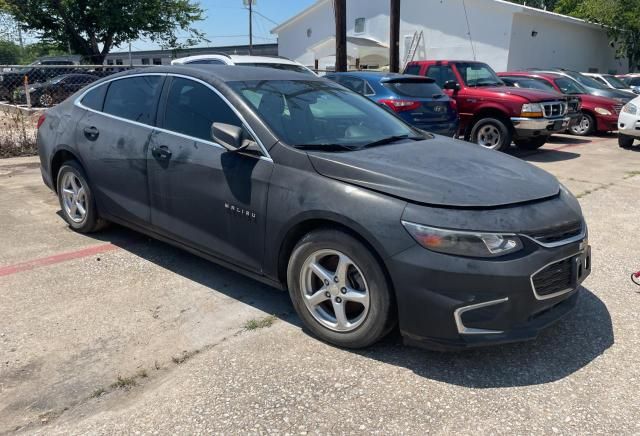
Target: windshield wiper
{"x": 325, "y": 147}
{"x": 390, "y": 139}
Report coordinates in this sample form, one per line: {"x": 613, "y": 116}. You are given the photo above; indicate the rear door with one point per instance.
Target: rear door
{"x": 113, "y": 137}
{"x": 201, "y": 194}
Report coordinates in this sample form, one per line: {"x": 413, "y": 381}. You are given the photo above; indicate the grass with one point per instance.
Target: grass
{"x": 254, "y": 324}
{"x": 124, "y": 382}
{"x": 98, "y": 392}
{"x": 591, "y": 191}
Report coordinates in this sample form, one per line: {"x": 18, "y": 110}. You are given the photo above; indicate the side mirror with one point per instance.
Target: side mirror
{"x": 451, "y": 85}
{"x": 232, "y": 138}
{"x": 229, "y": 136}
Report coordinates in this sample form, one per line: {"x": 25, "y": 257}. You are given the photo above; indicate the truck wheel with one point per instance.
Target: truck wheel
{"x": 585, "y": 126}
{"x": 625, "y": 141}
{"x": 531, "y": 144}
{"x": 339, "y": 290}
{"x": 491, "y": 133}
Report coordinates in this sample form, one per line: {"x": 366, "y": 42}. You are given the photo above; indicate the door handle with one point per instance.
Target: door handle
{"x": 91, "y": 133}
{"x": 161, "y": 152}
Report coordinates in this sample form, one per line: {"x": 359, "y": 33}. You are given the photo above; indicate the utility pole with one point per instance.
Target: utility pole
{"x": 130, "y": 57}
{"x": 250, "y": 27}
{"x": 340, "y": 9}
{"x": 394, "y": 46}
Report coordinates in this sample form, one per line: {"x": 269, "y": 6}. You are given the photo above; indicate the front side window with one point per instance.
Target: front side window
{"x": 134, "y": 98}
{"x": 568, "y": 86}
{"x": 320, "y": 115}
{"x": 478, "y": 74}
{"x": 412, "y": 69}
{"x": 441, "y": 74}
{"x": 192, "y": 108}
{"x": 359, "y": 25}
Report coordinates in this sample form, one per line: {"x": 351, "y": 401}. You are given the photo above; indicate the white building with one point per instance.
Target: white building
{"x": 507, "y": 36}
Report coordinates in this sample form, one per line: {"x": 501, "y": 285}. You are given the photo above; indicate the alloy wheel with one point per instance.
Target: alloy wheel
{"x": 489, "y": 136}
{"x": 334, "y": 290}
{"x": 46, "y": 100}
{"x": 74, "y": 197}
{"x": 582, "y": 127}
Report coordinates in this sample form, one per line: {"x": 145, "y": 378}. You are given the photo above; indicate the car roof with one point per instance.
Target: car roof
{"x": 224, "y": 73}
{"x": 240, "y": 59}
{"x": 531, "y": 74}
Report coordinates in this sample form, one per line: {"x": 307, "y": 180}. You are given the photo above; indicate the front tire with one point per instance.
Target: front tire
{"x": 76, "y": 199}
{"x": 625, "y": 141}
{"x": 585, "y": 126}
{"x": 339, "y": 289}
{"x": 491, "y": 133}
{"x": 531, "y": 144}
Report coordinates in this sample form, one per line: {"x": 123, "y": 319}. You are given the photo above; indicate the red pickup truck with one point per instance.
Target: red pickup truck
{"x": 492, "y": 114}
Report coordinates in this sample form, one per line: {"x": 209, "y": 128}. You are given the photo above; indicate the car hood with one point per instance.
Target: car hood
{"x": 532, "y": 95}
{"x": 440, "y": 172}
{"x": 611, "y": 93}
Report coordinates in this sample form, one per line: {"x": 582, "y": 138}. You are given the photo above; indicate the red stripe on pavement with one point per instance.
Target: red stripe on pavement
{"x": 56, "y": 258}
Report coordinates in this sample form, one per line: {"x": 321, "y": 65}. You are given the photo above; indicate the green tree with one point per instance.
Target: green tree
{"x": 9, "y": 53}
{"x": 91, "y": 28}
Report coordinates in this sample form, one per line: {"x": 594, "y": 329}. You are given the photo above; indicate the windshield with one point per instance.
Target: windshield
{"x": 321, "y": 115}
{"x": 478, "y": 74}
{"x": 530, "y": 83}
{"x": 615, "y": 82}
{"x": 286, "y": 67}
{"x": 587, "y": 81}
{"x": 569, "y": 86}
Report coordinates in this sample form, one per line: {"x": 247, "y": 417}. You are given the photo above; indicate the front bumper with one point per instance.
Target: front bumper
{"x": 629, "y": 124}
{"x": 532, "y": 127}
{"x": 448, "y": 302}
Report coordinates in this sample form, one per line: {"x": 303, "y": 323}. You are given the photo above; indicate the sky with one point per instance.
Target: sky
{"x": 227, "y": 22}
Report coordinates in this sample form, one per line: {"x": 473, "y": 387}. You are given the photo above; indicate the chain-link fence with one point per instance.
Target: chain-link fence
{"x": 45, "y": 85}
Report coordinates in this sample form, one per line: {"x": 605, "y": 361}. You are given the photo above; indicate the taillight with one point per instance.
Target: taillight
{"x": 400, "y": 105}
{"x": 41, "y": 120}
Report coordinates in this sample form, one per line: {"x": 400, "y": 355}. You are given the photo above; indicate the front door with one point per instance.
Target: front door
{"x": 201, "y": 194}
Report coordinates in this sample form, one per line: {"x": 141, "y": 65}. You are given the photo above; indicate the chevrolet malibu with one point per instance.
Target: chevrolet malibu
{"x": 300, "y": 183}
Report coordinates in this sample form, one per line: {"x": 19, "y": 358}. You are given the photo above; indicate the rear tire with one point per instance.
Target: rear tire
{"x": 76, "y": 199}
{"x": 339, "y": 289}
{"x": 585, "y": 126}
{"x": 531, "y": 144}
{"x": 625, "y": 141}
{"x": 491, "y": 133}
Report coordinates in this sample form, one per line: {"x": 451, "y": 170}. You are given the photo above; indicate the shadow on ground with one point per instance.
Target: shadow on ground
{"x": 559, "y": 351}
{"x": 543, "y": 155}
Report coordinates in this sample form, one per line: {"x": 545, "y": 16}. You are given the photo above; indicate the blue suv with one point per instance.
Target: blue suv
{"x": 417, "y": 100}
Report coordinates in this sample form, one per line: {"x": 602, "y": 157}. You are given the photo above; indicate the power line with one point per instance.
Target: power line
{"x": 466, "y": 16}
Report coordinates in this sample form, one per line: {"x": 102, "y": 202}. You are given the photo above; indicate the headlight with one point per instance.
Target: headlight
{"x": 463, "y": 243}
{"x": 532, "y": 110}
{"x": 603, "y": 111}
{"x": 630, "y": 108}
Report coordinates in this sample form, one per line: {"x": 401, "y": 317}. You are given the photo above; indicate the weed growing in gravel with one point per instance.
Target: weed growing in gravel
{"x": 184, "y": 356}
{"x": 254, "y": 324}
{"x": 98, "y": 392}
{"x": 124, "y": 382}
{"x": 17, "y": 134}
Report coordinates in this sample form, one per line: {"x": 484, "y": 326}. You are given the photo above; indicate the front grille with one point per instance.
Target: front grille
{"x": 556, "y": 277}
{"x": 558, "y": 233}
{"x": 555, "y": 109}
{"x": 618, "y": 108}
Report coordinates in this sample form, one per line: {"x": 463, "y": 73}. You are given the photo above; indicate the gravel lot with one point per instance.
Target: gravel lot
{"x": 116, "y": 333}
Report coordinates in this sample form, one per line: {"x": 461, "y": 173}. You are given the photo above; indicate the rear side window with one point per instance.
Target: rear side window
{"x": 206, "y": 62}
{"x": 192, "y": 108}
{"x": 634, "y": 81}
{"x": 415, "y": 89}
{"x": 354, "y": 84}
{"x": 134, "y": 98}
{"x": 94, "y": 99}
{"x": 412, "y": 69}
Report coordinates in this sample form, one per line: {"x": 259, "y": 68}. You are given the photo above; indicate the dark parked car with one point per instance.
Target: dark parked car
{"x": 36, "y": 73}
{"x": 417, "y": 100}
{"x": 55, "y": 90}
{"x": 591, "y": 85}
{"x": 303, "y": 184}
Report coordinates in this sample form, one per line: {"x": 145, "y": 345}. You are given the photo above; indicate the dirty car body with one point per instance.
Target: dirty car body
{"x": 470, "y": 247}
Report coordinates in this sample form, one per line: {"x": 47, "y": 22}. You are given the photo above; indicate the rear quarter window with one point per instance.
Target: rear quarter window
{"x": 412, "y": 69}
{"x": 94, "y": 99}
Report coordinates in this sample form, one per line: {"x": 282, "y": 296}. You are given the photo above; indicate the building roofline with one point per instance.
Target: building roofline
{"x": 217, "y": 49}
{"x": 299, "y": 15}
